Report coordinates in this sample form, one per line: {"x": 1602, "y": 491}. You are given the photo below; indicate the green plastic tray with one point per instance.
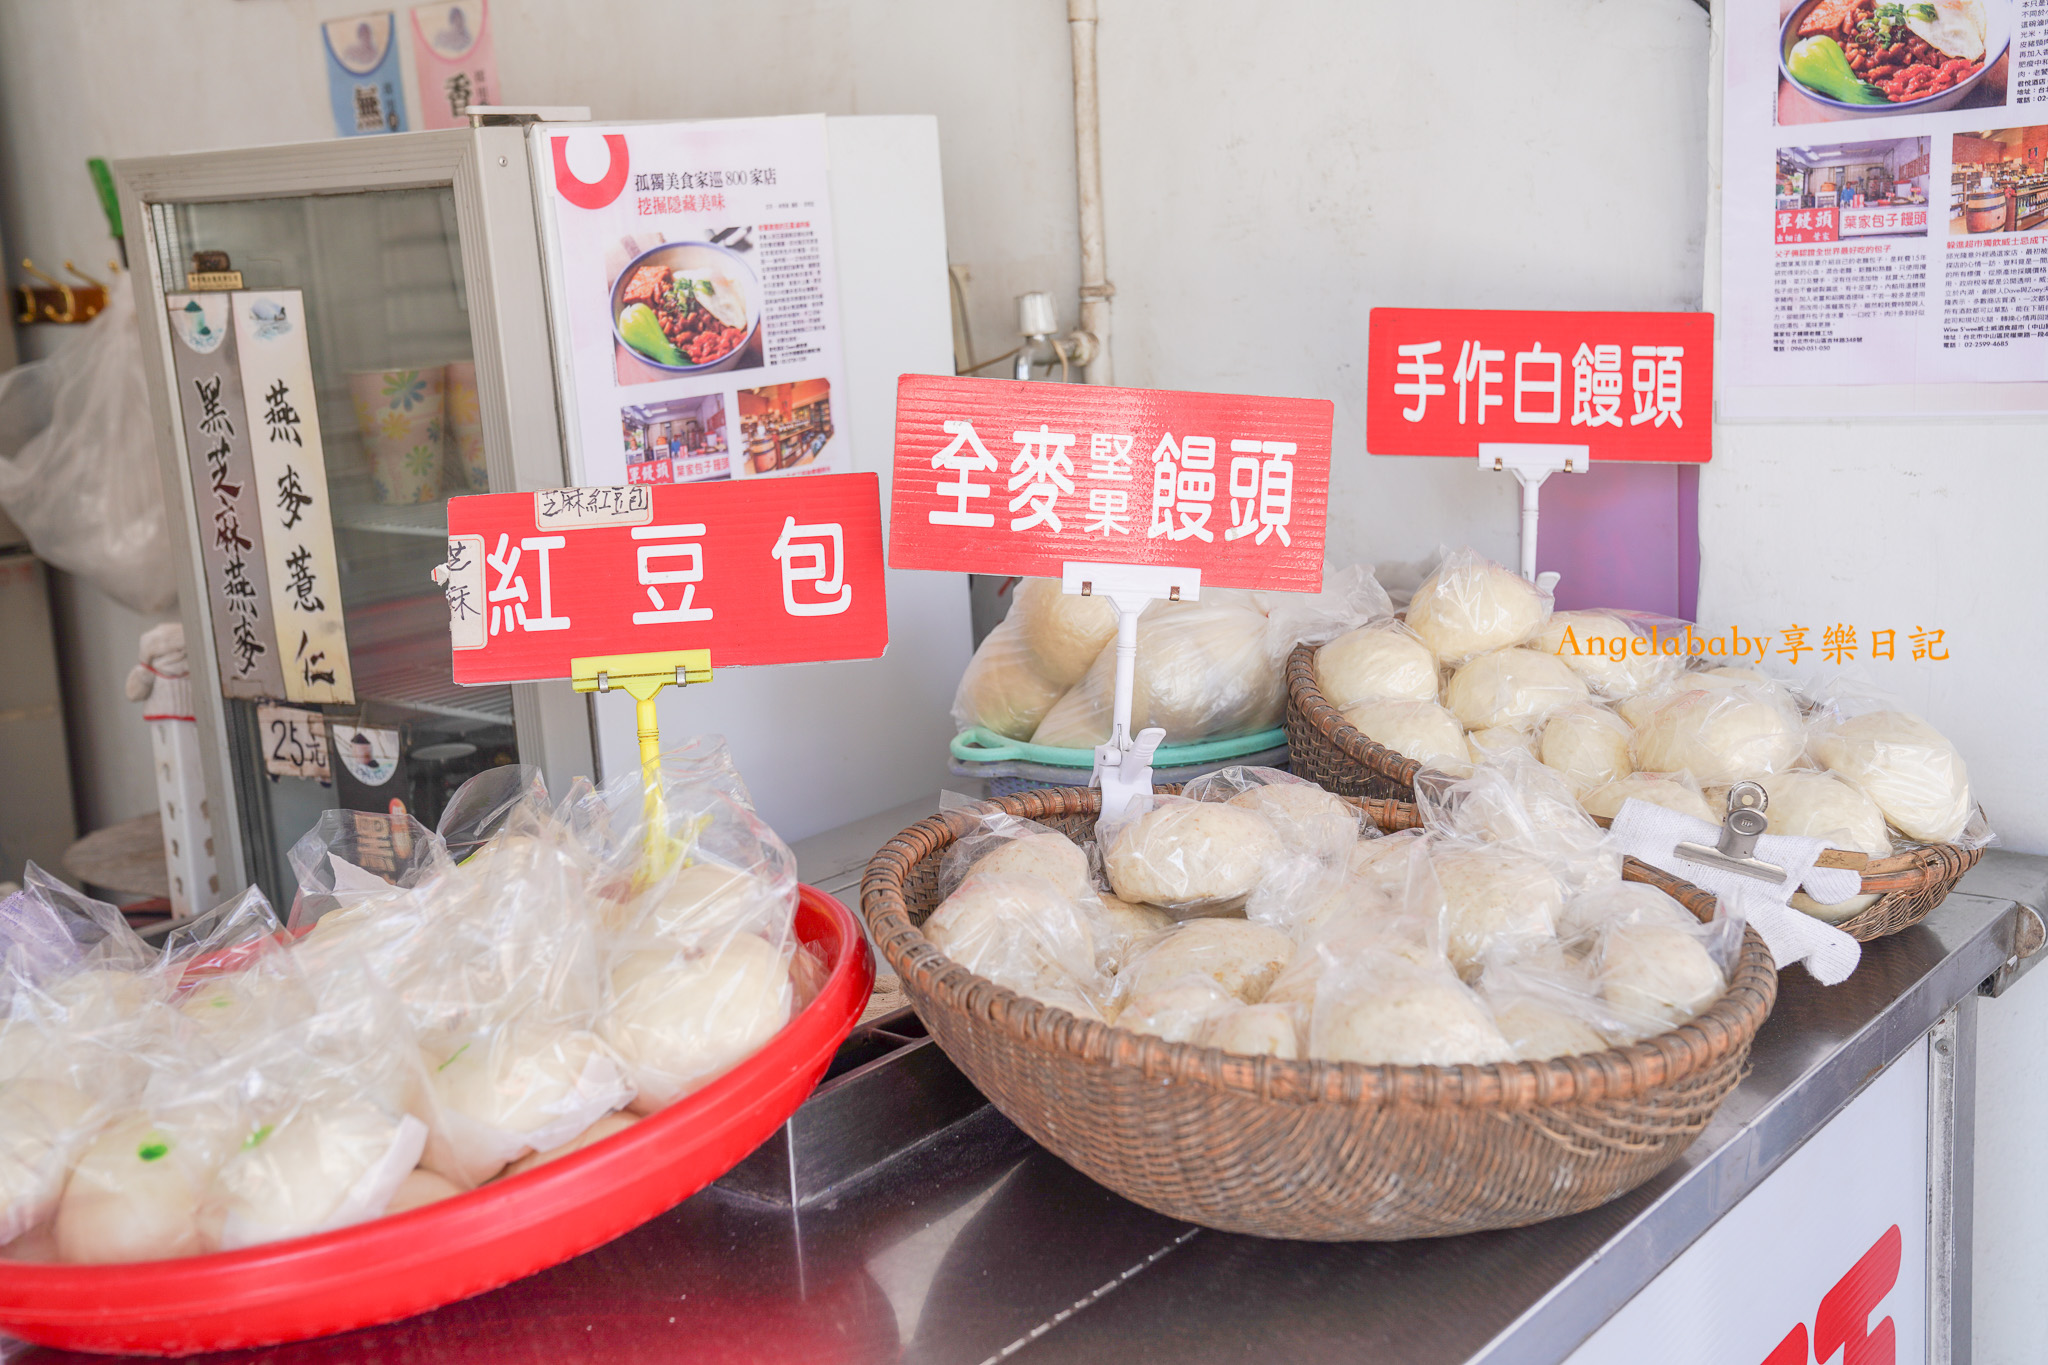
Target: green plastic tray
{"x": 980, "y": 745}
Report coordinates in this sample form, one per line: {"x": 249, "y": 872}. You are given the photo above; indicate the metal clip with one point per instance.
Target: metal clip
{"x": 1735, "y": 850}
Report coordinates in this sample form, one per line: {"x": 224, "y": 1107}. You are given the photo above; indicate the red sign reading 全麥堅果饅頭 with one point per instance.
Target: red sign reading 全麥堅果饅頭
{"x": 996, "y": 476}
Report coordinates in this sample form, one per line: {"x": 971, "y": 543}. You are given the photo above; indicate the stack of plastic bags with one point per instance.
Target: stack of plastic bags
{"x": 1208, "y": 669}
{"x": 1260, "y": 914}
{"x": 524, "y": 982}
{"x": 1613, "y": 704}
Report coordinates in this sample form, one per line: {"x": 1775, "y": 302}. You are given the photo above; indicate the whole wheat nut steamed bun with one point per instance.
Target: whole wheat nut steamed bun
{"x": 1906, "y": 766}
{"x": 1510, "y": 685}
{"x": 1190, "y": 853}
{"x": 1063, "y": 631}
{"x": 1382, "y": 659}
{"x": 1495, "y": 900}
{"x": 1048, "y": 854}
{"x": 1598, "y": 646}
{"x": 1417, "y": 1017}
{"x": 1241, "y": 957}
{"x": 1308, "y": 819}
{"x": 1420, "y": 730}
{"x": 1471, "y": 605}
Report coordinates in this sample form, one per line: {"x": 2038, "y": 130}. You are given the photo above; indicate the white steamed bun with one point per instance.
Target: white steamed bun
{"x": 1510, "y": 685}
{"x": 1307, "y": 818}
{"x": 678, "y": 1020}
{"x": 1657, "y": 969}
{"x": 135, "y": 1194}
{"x": 1471, "y": 605}
{"x": 1906, "y": 766}
{"x": 1063, "y": 632}
{"x": 1185, "y": 854}
{"x": 1254, "y": 1031}
{"x": 1420, "y": 730}
{"x": 1417, "y": 1017}
{"x": 1383, "y": 659}
{"x": 1587, "y": 745}
{"x": 323, "y": 1167}
{"x": 1495, "y": 899}
{"x": 1659, "y": 789}
{"x": 1720, "y": 736}
{"x": 1608, "y": 674}
{"x": 1538, "y": 1032}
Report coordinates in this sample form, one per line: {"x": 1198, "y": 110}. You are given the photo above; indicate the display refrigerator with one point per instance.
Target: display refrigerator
{"x": 341, "y": 336}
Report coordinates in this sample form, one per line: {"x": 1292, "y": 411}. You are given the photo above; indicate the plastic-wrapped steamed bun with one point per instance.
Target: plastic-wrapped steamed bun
{"x": 1471, "y": 605}
{"x": 1308, "y": 819}
{"x": 1539, "y": 1031}
{"x": 1658, "y": 969}
{"x": 1206, "y": 669}
{"x": 1720, "y": 736}
{"x": 1420, "y": 730}
{"x": 1673, "y": 791}
{"x": 1003, "y": 688}
{"x": 1377, "y": 660}
{"x": 1599, "y": 646}
{"x": 1004, "y": 845}
{"x": 1177, "y": 1010}
{"x": 525, "y": 1086}
{"x": 1385, "y": 1008}
{"x": 1127, "y": 926}
{"x": 1252, "y": 1031}
{"x": 1495, "y": 740}
{"x": 1496, "y": 900}
{"x": 1241, "y": 957}
{"x": 1189, "y": 856}
{"x": 679, "y": 1018}
{"x": 137, "y": 1191}
{"x": 43, "y": 1127}
{"x": 1823, "y": 806}
{"x": 322, "y": 1167}
{"x": 1063, "y": 632}
{"x": 1022, "y": 932}
{"x": 1587, "y": 745}
{"x": 1510, "y": 685}
{"x": 1906, "y": 766}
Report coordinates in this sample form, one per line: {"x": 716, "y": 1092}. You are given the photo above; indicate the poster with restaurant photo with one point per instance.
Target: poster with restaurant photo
{"x": 686, "y": 259}
{"x": 1879, "y": 198}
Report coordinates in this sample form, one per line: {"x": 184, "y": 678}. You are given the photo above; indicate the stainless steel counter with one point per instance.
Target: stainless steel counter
{"x": 980, "y": 1247}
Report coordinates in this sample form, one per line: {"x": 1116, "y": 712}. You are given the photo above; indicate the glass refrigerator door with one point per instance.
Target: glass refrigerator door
{"x": 386, "y": 316}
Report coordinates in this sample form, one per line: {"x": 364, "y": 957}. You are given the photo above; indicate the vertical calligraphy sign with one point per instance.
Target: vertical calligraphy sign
{"x": 291, "y": 494}
{"x": 224, "y": 495}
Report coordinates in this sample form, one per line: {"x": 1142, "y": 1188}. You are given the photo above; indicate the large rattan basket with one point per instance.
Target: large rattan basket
{"x": 1320, "y": 1151}
{"x": 1328, "y": 750}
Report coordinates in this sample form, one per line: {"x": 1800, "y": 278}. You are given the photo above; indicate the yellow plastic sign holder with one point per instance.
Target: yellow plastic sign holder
{"x": 641, "y": 676}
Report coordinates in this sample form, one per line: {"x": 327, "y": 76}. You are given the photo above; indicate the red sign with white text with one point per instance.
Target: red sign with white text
{"x": 1796, "y": 227}
{"x": 997, "y": 476}
{"x": 1628, "y": 386}
{"x": 788, "y": 571}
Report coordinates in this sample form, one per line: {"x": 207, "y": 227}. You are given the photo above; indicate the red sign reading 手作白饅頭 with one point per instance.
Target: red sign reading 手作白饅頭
{"x": 1628, "y": 386}
{"x": 757, "y": 572}
{"x": 996, "y": 476}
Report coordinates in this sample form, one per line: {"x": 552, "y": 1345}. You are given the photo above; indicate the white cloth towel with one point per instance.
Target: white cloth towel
{"x": 1652, "y": 833}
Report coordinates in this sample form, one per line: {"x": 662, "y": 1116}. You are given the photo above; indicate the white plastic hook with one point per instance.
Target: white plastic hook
{"x": 1123, "y": 767}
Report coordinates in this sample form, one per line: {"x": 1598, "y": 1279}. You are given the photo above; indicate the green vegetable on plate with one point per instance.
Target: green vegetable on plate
{"x": 1820, "y": 64}
{"x": 642, "y": 331}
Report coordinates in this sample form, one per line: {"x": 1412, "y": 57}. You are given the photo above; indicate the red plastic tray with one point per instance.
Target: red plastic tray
{"x": 394, "y": 1267}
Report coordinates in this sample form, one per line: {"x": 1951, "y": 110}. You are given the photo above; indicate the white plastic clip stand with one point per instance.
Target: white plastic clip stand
{"x": 1123, "y": 767}
{"x": 1531, "y": 465}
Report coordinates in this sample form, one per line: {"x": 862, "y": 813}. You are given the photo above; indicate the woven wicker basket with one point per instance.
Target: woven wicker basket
{"x": 1328, "y": 750}
{"x": 1320, "y": 1151}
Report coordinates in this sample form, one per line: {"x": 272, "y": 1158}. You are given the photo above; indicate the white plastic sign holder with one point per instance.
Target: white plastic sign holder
{"x": 1531, "y": 465}
{"x": 1123, "y": 767}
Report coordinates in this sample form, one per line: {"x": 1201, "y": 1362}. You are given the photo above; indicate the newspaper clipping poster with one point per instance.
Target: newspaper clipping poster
{"x": 694, "y": 282}
{"x": 1885, "y": 193}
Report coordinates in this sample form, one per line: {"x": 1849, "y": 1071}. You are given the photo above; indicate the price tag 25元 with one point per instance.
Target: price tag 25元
{"x": 294, "y": 743}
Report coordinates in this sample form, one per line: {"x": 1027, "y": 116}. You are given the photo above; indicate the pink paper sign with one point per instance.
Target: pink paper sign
{"x": 456, "y": 62}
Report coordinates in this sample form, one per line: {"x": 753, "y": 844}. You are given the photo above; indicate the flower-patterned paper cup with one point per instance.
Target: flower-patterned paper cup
{"x": 465, "y": 430}
{"x": 402, "y": 416}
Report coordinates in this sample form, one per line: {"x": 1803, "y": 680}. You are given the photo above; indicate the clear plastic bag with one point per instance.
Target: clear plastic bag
{"x": 1553, "y": 1008}
{"x": 1308, "y": 819}
{"x": 1588, "y": 745}
{"x": 1511, "y": 686}
{"x": 1421, "y": 730}
{"x": 78, "y": 467}
{"x": 1498, "y": 901}
{"x": 1003, "y": 688}
{"x": 1240, "y": 957}
{"x": 1648, "y": 954}
{"x": 1619, "y": 654}
{"x": 1673, "y": 791}
{"x": 1026, "y": 933}
{"x": 1519, "y": 804}
{"x": 1210, "y": 669}
{"x": 352, "y": 854}
{"x": 1188, "y": 857}
{"x": 1720, "y": 734}
{"x": 1006, "y": 843}
{"x": 1471, "y": 605}
{"x": 1903, "y": 764}
{"x": 1375, "y": 661}
{"x": 1062, "y": 632}
{"x": 1393, "y": 1005}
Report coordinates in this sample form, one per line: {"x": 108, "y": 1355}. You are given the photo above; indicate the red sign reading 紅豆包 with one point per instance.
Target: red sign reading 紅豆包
{"x": 996, "y": 476}
{"x": 788, "y": 571}
{"x": 1629, "y": 386}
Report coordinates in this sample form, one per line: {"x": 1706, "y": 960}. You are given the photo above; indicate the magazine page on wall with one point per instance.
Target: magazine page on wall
{"x": 1884, "y": 207}
{"x": 692, "y": 288}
